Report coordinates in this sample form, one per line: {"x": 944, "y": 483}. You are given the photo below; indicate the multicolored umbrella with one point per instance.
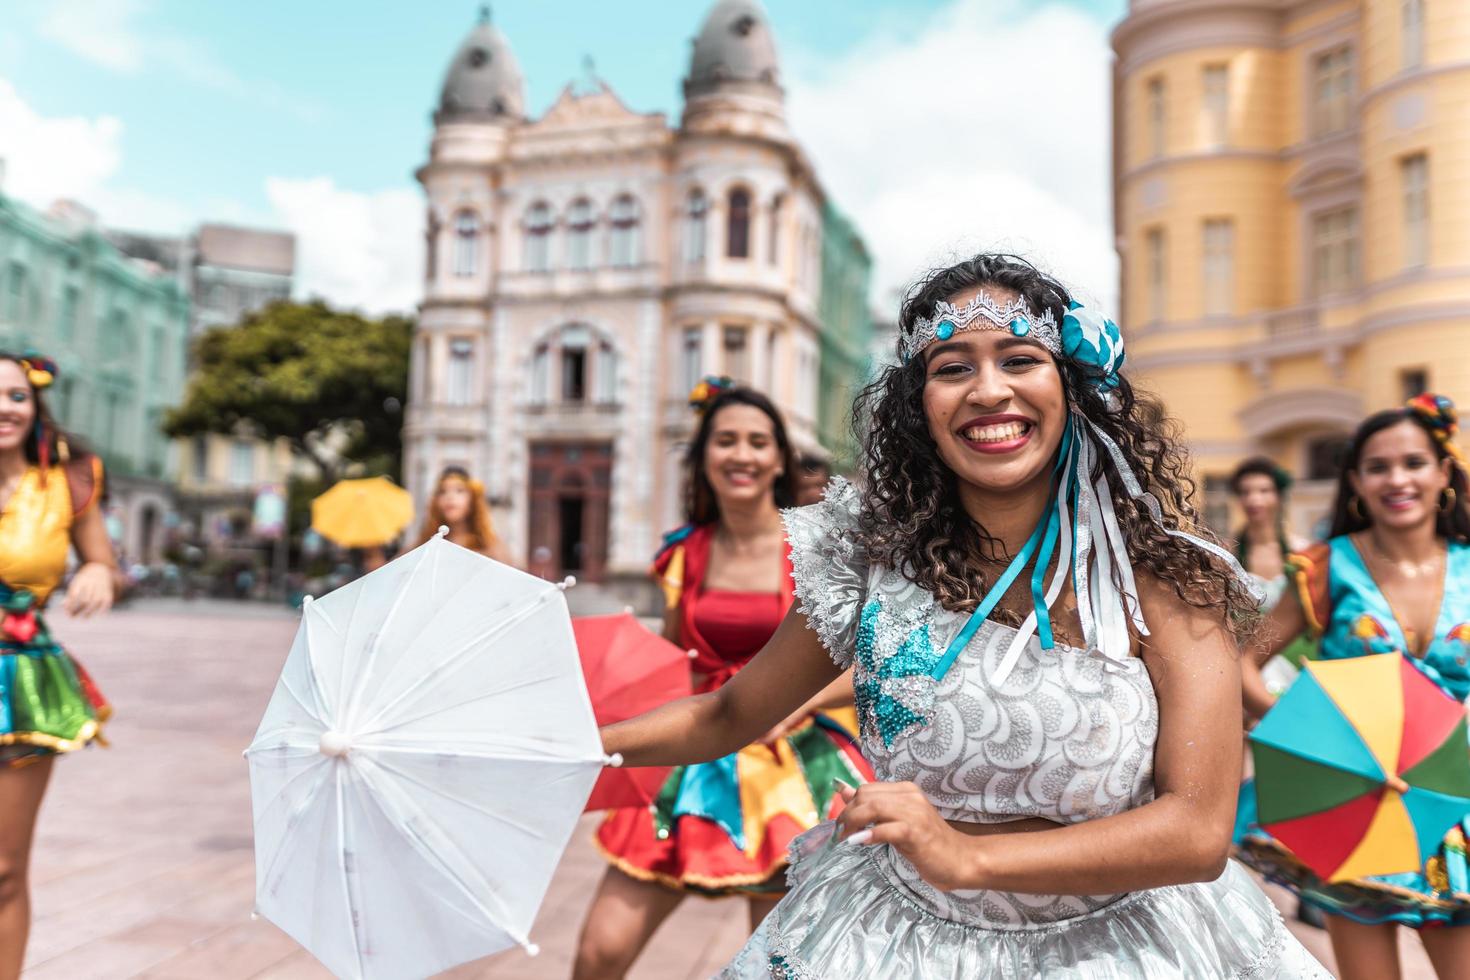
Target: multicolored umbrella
{"x": 1362, "y": 767}
{"x": 629, "y": 670}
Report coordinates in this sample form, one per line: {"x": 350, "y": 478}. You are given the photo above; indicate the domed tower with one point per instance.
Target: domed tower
{"x": 481, "y": 106}
{"x": 734, "y": 81}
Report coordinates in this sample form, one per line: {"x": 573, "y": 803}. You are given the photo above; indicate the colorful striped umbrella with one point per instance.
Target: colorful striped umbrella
{"x": 1362, "y": 767}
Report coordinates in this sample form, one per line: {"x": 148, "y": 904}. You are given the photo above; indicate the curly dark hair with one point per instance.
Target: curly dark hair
{"x": 912, "y": 519}
{"x": 701, "y": 506}
{"x": 1452, "y": 524}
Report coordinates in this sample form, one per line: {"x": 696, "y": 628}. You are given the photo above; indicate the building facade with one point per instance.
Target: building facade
{"x": 117, "y": 328}
{"x": 844, "y": 364}
{"x": 587, "y": 268}
{"x": 1293, "y": 221}
{"x": 228, "y": 272}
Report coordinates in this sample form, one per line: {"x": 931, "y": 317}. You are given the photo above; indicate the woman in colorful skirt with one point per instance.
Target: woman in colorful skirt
{"x": 48, "y": 704}
{"x": 723, "y": 827}
{"x": 1394, "y": 577}
{"x": 1046, "y": 678}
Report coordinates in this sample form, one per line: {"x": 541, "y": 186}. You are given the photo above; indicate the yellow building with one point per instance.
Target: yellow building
{"x": 1292, "y": 211}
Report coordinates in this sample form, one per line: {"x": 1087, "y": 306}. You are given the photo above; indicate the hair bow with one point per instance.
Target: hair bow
{"x": 40, "y": 371}
{"x": 708, "y": 390}
{"x": 1439, "y": 413}
{"x": 1095, "y": 342}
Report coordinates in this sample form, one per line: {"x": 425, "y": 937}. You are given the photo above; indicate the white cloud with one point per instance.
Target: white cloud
{"x": 101, "y": 31}
{"x": 47, "y": 158}
{"x": 355, "y": 249}
{"x": 987, "y": 128}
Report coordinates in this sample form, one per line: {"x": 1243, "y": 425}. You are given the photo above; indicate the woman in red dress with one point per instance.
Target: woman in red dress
{"x": 722, "y": 827}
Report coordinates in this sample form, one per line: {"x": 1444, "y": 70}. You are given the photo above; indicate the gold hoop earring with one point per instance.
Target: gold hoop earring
{"x": 1447, "y": 500}
{"x": 1355, "y": 508}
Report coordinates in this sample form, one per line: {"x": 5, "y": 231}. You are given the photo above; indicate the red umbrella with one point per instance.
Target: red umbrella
{"x": 629, "y": 670}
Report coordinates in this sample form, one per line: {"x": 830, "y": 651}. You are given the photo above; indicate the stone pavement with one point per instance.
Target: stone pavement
{"x": 143, "y": 861}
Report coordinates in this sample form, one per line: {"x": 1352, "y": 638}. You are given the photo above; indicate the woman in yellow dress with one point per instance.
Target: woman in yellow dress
{"x": 48, "y": 704}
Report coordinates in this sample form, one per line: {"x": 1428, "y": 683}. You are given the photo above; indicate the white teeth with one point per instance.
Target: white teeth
{"x": 1004, "y": 432}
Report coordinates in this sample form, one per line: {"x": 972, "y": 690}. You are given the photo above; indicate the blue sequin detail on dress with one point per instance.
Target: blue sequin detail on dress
{"x": 882, "y": 679}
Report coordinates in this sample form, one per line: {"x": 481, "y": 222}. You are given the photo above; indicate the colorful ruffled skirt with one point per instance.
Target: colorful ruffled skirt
{"x": 48, "y": 703}
{"x": 723, "y": 827}
{"x": 1436, "y": 895}
{"x": 856, "y": 910}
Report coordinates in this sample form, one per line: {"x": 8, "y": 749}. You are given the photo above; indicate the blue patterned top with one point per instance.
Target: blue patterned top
{"x": 1360, "y": 622}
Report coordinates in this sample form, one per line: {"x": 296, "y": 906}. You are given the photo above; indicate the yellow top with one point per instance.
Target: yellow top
{"x": 35, "y": 530}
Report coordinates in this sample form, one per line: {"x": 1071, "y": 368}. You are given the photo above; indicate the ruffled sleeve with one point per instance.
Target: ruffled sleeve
{"x": 1307, "y": 571}
{"x": 829, "y": 567}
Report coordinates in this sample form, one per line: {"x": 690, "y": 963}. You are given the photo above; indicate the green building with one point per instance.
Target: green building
{"x": 117, "y": 329}
{"x": 847, "y": 331}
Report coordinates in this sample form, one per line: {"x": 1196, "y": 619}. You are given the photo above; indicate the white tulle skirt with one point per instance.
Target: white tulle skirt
{"x": 849, "y": 914}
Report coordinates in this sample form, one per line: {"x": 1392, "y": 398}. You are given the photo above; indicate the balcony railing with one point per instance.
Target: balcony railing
{"x": 1292, "y": 323}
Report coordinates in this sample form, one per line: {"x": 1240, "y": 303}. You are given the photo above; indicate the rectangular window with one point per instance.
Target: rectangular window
{"x": 1157, "y": 289}
{"x": 160, "y": 356}
{"x": 1156, "y": 132}
{"x": 242, "y": 463}
{"x": 606, "y": 375}
{"x": 200, "y": 452}
{"x": 737, "y": 353}
{"x": 541, "y": 376}
{"x": 1216, "y": 106}
{"x": 573, "y": 374}
{"x": 1217, "y": 503}
{"x": 1335, "y": 250}
{"x": 691, "y": 360}
{"x": 67, "y": 322}
{"x": 1413, "y": 381}
{"x": 461, "y": 371}
{"x": 1219, "y": 266}
{"x": 15, "y": 292}
{"x": 1414, "y": 174}
{"x": 1413, "y": 34}
{"x": 1324, "y": 456}
{"x": 1332, "y": 92}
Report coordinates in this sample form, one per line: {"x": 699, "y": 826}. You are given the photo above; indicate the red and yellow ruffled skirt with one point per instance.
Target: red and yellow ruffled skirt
{"x": 722, "y": 827}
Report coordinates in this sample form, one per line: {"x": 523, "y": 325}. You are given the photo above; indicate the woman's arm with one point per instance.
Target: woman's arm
{"x": 788, "y": 670}
{"x": 1182, "y": 836}
{"x": 94, "y": 585}
{"x": 1283, "y": 624}
{"x": 838, "y": 694}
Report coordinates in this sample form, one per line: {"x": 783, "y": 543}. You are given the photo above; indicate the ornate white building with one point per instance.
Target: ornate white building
{"x": 586, "y": 268}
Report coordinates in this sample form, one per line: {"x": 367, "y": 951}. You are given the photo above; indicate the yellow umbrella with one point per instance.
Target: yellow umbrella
{"x": 362, "y": 513}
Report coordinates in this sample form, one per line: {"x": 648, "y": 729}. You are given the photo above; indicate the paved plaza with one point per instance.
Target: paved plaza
{"x": 143, "y": 858}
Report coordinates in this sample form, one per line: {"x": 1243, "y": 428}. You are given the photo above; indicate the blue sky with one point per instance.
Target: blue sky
{"x": 160, "y": 113}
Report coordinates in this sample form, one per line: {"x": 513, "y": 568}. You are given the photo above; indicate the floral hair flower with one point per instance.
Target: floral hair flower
{"x": 40, "y": 371}
{"x": 1439, "y": 413}
{"x": 1095, "y": 342}
{"x": 708, "y": 390}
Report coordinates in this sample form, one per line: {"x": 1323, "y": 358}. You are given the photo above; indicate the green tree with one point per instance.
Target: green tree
{"x": 310, "y": 374}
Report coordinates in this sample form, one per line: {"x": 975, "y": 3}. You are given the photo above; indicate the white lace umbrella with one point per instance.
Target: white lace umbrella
{"x": 421, "y": 765}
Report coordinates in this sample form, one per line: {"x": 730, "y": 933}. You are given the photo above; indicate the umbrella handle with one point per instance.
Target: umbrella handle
{"x": 1396, "y": 784}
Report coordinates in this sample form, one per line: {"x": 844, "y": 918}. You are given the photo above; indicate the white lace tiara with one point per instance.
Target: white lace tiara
{"x": 983, "y": 313}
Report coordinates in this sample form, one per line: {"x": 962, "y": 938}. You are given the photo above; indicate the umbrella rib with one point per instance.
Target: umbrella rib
{"x": 387, "y": 789}
{"x": 318, "y": 693}
{"x": 499, "y": 628}
{"x": 408, "y": 777}
{"x": 438, "y": 709}
{"x": 342, "y": 866}
{"x": 289, "y": 782}
{"x": 360, "y": 676}
{"x": 497, "y": 756}
{"x": 270, "y": 876}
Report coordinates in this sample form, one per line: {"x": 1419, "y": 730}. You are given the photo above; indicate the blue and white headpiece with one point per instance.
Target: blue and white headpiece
{"x": 983, "y": 313}
{"x": 1080, "y": 523}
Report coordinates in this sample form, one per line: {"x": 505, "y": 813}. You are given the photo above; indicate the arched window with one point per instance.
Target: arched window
{"x": 696, "y": 221}
{"x": 538, "y": 237}
{"x": 737, "y": 224}
{"x": 773, "y": 233}
{"x": 580, "y": 222}
{"x": 466, "y": 243}
{"x": 623, "y": 243}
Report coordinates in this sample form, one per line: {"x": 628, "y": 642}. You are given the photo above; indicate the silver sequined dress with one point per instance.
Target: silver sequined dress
{"x": 1067, "y": 736}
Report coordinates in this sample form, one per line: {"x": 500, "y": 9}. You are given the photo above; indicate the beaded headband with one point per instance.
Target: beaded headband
{"x": 982, "y": 313}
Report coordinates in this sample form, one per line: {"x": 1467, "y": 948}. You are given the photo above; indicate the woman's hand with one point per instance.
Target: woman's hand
{"x": 90, "y": 591}
{"x": 900, "y": 814}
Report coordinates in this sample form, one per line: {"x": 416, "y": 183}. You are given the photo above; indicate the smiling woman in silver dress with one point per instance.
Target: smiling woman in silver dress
{"x": 1047, "y": 681}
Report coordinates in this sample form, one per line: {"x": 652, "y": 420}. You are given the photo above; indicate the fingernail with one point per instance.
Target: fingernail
{"x": 861, "y": 837}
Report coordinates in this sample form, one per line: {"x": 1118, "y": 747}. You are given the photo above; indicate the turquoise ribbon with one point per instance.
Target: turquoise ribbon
{"x": 1042, "y": 544}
